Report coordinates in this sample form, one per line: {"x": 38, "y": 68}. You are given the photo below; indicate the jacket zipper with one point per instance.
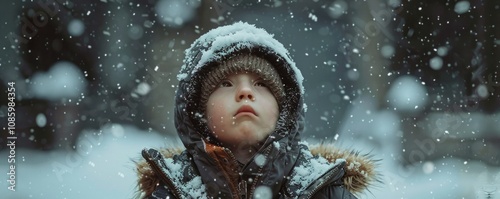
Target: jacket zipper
{"x": 268, "y": 150}
{"x": 242, "y": 185}
{"x": 164, "y": 177}
{"x": 243, "y": 188}
{"x": 328, "y": 175}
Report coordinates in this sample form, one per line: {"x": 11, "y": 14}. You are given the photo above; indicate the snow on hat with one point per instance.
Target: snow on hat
{"x": 239, "y": 63}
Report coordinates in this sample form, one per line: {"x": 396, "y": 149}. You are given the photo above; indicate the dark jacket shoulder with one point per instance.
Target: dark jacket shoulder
{"x": 325, "y": 171}
{"x": 168, "y": 172}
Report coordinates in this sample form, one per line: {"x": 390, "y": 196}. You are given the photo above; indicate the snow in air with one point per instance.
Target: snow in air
{"x": 260, "y": 160}
{"x": 387, "y": 51}
{"x": 143, "y": 88}
{"x": 175, "y": 13}
{"x": 407, "y": 94}
{"x": 442, "y": 51}
{"x": 436, "y": 63}
{"x": 263, "y": 192}
{"x": 63, "y": 80}
{"x": 135, "y": 32}
{"x": 76, "y": 27}
{"x": 462, "y": 7}
{"x": 337, "y": 9}
{"x": 41, "y": 120}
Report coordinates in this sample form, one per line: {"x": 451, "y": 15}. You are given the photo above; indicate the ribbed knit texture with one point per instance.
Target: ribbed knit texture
{"x": 240, "y": 63}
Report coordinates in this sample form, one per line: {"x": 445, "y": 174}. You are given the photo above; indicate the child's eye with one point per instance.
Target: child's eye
{"x": 260, "y": 83}
{"x": 225, "y": 83}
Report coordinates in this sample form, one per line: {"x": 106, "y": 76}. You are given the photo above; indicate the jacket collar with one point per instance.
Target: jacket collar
{"x": 355, "y": 170}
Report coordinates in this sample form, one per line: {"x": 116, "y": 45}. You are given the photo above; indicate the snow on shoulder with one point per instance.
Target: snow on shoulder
{"x": 314, "y": 167}
{"x": 194, "y": 188}
{"x": 225, "y": 40}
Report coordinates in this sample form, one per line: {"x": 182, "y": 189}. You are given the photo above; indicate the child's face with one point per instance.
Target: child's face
{"x": 242, "y": 110}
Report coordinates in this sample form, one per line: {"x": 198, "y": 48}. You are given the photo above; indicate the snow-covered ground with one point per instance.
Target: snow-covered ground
{"x": 445, "y": 178}
{"x": 101, "y": 167}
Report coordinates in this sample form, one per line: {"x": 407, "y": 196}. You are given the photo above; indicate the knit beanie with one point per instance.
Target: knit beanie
{"x": 242, "y": 63}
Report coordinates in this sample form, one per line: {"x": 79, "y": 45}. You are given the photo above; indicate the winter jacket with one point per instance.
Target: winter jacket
{"x": 284, "y": 167}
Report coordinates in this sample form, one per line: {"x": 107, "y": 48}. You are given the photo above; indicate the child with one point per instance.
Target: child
{"x": 239, "y": 113}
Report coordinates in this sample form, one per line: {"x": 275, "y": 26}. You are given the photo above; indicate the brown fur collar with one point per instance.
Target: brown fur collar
{"x": 360, "y": 169}
{"x": 147, "y": 179}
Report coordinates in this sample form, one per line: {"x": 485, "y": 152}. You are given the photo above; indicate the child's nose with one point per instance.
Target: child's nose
{"x": 245, "y": 93}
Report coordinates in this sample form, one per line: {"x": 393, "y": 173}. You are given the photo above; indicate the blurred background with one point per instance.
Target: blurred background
{"x": 415, "y": 83}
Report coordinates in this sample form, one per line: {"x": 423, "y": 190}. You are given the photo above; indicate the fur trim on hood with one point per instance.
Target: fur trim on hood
{"x": 360, "y": 168}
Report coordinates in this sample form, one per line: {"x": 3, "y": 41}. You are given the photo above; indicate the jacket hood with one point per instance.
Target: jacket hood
{"x": 214, "y": 47}
{"x": 207, "y": 52}
{"x": 359, "y": 169}
{"x": 280, "y": 151}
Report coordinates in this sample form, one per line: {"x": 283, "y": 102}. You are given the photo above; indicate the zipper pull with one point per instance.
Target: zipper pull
{"x": 243, "y": 188}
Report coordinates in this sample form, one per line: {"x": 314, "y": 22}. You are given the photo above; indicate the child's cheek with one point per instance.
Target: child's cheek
{"x": 216, "y": 117}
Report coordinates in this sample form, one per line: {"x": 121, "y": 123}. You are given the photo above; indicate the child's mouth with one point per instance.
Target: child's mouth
{"x": 245, "y": 109}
